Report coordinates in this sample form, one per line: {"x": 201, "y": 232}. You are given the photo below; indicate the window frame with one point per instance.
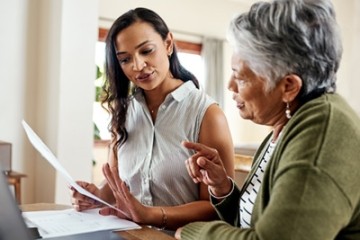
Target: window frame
{"x": 182, "y": 46}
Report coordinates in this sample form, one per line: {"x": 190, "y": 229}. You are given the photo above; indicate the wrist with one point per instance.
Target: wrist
{"x": 163, "y": 219}
{"x": 222, "y": 191}
{"x": 157, "y": 217}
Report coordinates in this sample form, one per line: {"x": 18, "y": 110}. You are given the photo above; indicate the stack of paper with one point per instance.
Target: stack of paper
{"x": 67, "y": 222}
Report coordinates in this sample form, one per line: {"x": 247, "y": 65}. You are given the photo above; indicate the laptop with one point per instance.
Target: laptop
{"x": 13, "y": 227}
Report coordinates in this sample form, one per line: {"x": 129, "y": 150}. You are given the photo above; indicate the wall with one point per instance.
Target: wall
{"x": 200, "y": 17}
{"x": 48, "y": 70}
{"x": 17, "y": 73}
{"x": 348, "y": 16}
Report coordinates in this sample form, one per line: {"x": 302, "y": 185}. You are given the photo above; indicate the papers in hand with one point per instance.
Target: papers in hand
{"x": 48, "y": 155}
{"x": 69, "y": 221}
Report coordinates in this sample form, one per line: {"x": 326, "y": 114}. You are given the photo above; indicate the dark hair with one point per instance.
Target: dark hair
{"x": 117, "y": 87}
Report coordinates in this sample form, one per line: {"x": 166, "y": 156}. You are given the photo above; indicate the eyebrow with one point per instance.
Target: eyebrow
{"x": 235, "y": 70}
{"x": 136, "y": 47}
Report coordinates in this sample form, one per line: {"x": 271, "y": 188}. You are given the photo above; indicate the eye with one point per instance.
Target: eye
{"x": 124, "y": 60}
{"x": 240, "y": 82}
{"x": 147, "y": 51}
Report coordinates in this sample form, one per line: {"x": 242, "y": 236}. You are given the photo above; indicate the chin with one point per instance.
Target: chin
{"x": 243, "y": 115}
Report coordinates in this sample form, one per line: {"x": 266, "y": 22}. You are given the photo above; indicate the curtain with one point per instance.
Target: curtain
{"x": 212, "y": 53}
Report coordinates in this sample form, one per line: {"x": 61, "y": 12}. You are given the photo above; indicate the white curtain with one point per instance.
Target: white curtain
{"x": 212, "y": 53}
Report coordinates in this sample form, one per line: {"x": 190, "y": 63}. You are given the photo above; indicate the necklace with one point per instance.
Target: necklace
{"x": 154, "y": 110}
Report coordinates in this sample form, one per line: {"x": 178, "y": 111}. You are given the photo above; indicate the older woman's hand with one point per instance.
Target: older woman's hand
{"x": 128, "y": 206}
{"x": 206, "y": 166}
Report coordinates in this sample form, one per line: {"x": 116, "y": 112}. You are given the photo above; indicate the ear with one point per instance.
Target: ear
{"x": 292, "y": 84}
{"x": 169, "y": 43}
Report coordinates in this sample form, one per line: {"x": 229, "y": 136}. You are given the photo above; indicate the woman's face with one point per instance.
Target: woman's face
{"x": 143, "y": 55}
{"x": 252, "y": 99}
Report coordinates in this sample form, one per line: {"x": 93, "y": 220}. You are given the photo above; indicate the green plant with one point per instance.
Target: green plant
{"x": 98, "y": 90}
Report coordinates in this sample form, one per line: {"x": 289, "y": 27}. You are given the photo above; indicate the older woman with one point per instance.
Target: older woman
{"x": 304, "y": 183}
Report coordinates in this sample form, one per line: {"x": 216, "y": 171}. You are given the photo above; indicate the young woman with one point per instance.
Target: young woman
{"x": 155, "y": 104}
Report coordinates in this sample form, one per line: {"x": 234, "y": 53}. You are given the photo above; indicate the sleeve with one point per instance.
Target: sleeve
{"x": 228, "y": 208}
{"x": 305, "y": 202}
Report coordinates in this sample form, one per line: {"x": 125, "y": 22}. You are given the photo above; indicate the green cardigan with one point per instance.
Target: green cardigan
{"x": 311, "y": 186}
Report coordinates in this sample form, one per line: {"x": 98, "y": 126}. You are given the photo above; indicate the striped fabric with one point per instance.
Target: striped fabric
{"x": 247, "y": 200}
{"x": 152, "y": 160}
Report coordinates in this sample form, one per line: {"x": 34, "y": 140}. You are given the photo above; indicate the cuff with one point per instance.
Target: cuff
{"x": 213, "y": 197}
{"x": 192, "y": 230}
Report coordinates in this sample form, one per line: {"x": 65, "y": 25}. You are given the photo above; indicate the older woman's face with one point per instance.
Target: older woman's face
{"x": 252, "y": 99}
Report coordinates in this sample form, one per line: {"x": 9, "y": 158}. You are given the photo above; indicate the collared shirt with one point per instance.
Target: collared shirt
{"x": 152, "y": 160}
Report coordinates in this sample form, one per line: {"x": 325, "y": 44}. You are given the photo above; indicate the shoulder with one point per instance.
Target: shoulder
{"x": 329, "y": 109}
{"x": 215, "y": 114}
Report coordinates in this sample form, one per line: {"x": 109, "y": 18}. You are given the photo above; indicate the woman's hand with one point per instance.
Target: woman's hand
{"x": 206, "y": 166}
{"x": 129, "y": 207}
{"x": 82, "y": 202}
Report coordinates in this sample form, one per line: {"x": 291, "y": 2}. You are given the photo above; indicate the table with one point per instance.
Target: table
{"x": 145, "y": 233}
{"x": 14, "y": 179}
{"x": 242, "y": 166}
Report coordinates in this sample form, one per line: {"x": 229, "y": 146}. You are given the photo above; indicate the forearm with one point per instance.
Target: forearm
{"x": 178, "y": 216}
{"x": 213, "y": 230}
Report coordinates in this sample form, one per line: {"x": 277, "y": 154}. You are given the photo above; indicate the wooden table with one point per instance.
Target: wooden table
{"x": 242, "y": 166}
{"x": 145, "y": 233}
{"x": 243, "y": 163}
{"x": 14, "y": 179}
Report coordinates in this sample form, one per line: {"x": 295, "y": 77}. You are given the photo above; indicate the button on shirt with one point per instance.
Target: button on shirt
{"x": 152, "y": 160}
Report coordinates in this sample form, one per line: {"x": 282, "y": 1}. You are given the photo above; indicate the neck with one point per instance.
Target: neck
{"x": 277, "y": 130}
{"x": 156, "y": 96}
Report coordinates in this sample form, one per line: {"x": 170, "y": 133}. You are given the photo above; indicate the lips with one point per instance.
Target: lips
{"x": 144, "y": 77}
{"x": 240, "y": 105}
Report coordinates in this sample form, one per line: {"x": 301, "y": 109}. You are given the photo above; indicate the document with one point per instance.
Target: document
{"x": 67, "y": 222}
{"x": 50, "y": 157}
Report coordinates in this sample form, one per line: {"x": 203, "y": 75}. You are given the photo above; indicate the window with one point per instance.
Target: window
{"x": 193, "y": 63}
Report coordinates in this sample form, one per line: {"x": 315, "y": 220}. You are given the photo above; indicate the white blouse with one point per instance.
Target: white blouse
{"x": 152, "y": 160}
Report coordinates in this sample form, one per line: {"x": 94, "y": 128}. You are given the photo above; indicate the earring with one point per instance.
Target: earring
{"x": 287, "y": 111}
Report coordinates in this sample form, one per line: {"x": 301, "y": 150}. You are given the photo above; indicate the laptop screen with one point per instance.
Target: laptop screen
{"x": 12, "y": 225}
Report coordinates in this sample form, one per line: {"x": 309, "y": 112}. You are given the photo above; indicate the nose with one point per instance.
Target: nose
{"x": 138, "y": 64}
{"x": 232, "y": 86}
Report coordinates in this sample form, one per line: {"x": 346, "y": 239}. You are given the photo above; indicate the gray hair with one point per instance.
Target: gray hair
{"x": 290, "y": 37}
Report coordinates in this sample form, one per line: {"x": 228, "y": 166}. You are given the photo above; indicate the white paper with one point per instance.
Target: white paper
{"x": 69, "y": 221}
{"x": 48, "y": 155}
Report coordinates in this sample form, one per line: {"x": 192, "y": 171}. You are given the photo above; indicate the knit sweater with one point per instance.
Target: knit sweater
{"x": 310, "y": 188}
